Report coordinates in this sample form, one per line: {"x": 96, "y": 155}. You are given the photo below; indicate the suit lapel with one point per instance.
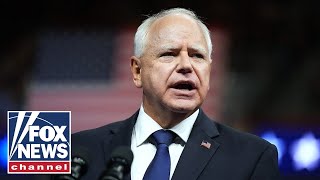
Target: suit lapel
{"x": 195, "y": 156}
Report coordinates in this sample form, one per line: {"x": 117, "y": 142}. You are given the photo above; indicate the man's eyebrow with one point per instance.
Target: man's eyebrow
{"x": 194, "y": 47}
{"x": 198, "y": 48}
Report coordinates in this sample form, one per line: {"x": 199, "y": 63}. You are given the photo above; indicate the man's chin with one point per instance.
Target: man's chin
{"x": 185, "y": 108}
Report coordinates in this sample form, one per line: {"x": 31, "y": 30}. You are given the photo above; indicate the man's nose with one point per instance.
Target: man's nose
{"x": 184, "y": 64}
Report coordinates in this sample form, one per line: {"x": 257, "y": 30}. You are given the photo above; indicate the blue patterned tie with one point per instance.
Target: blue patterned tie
{"x": 159, "y": 168}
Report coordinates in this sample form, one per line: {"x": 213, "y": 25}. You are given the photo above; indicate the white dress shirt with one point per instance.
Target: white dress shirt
{"x": 144, "y": 151}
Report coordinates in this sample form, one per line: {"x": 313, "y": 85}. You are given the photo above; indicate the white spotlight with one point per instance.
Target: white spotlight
{"x": 305, "y": 152}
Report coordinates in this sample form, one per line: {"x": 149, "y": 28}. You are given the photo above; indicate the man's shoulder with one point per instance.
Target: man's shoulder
{"x": 235, "y": 137}
{"x": 99, "y": 132}
{"x": 106, "y": 129}
{"x": 231, "y": 136}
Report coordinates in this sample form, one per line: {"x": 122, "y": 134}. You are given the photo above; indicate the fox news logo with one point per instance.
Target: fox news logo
{"x": 39, "y": 142}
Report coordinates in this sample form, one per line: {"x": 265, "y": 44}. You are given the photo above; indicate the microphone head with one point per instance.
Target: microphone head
{"x": 79, "y": 164}
{"x": 122, "y": 155}
{"x": 79, "y": 161}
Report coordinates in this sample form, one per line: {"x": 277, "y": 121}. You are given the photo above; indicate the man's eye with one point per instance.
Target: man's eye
{"x": 167, "y": 54}
{"x": 197, "y": 55}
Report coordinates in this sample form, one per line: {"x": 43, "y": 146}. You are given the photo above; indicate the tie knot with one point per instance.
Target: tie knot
{"x": 163, "y": 137}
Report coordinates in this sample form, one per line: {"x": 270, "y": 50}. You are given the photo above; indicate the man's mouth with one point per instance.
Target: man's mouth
{"x": 184, "y": 85}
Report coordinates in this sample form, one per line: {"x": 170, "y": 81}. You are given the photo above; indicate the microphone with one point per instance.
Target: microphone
{"x": 119, "y": 164}
{"x": 79, "y": 164}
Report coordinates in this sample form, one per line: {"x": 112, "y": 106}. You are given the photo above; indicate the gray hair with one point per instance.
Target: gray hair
{"x": 140, "y": 37}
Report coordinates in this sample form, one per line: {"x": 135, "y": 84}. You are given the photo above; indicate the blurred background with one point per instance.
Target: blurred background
{"x": 74, "y": 55}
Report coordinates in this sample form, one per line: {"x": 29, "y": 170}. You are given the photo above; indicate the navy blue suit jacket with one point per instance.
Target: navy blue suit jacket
{"x": 232, "y": 154}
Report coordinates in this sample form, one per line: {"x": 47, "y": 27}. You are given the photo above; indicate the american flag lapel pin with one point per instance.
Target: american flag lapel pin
{"x": 205, "y": 144}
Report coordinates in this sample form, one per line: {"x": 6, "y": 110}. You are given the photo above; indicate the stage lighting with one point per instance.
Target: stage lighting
{"x": 305, "y": 152}
{"x": 3, "y": 152}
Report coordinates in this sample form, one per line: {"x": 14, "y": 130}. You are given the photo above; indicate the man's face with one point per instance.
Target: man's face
{"x": 175, "y": 66}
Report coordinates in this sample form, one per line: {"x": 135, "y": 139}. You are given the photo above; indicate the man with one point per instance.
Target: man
{"x": 172, "y": 64}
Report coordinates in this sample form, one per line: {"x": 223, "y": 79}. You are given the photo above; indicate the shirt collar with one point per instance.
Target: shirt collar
{"x": 145, "y": 126}
{"x": 183, "y": 129}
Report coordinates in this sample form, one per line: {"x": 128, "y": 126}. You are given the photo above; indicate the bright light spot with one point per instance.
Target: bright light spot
{"x": 3, "y": 152}
{"x": 306, "y": 152}
{"x": 279, "y": 143}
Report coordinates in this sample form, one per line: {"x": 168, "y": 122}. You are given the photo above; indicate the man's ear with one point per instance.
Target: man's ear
{"x": 136, "y": 71}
